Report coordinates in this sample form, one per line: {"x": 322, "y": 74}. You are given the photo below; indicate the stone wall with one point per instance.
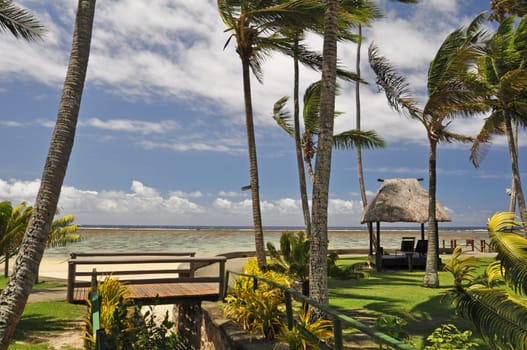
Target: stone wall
{"x": 217, "y": 332}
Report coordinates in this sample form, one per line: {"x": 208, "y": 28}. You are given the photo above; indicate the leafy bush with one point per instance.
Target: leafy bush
{"x": 257, "y": 310}
{"x": 124, "y": 324}
{"x": 393, "y": 326}
{"x": 448, "y": 337}
{"x": 320, "y": 328}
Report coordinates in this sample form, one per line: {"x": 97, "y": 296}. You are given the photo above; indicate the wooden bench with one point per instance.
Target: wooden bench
{"x": 151, "y": 277}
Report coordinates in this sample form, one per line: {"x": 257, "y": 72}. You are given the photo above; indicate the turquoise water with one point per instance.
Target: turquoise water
{"x": 210, "y": 242}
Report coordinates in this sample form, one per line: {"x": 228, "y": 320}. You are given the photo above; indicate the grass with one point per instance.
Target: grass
{"x": 42, "y": 319}
{"x": 400, "y": 293}
{"x": 39, "y": 320}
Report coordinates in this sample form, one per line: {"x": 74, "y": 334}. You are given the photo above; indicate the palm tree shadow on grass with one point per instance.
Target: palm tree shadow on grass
{"x": 31, "y": 328}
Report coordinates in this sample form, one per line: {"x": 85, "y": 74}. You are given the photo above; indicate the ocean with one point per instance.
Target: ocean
{"x": 210, "y": 240}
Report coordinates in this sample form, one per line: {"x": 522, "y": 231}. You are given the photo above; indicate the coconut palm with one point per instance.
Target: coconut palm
{"x": 311, "y": 116}
{"x": 255, "y": 26}
{"x": 503, "y": 70}
{"x": 498, "y": 311}
{"x": 19, "y": 22}
{"x": 14, "y": 295}
{"x": 318, "y": 264}
{"x": 453, "y": 91}
{"x": 12, "y": 232}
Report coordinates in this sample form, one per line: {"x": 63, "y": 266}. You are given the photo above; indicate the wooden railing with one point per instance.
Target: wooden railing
{"x": 339, "y": 320}
{"x": 150, "y": 275}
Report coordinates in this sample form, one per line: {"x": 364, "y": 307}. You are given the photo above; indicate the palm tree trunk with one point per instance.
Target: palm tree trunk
{"x": 298, "y": 145}
{"x": 253, "y": 166}
{"x": 15, "y": 294}
{"x": 318, "y": 270}
{"x": 512, "y": 203}
{"x": 431, "y": 278}
{"x": 513, "y": 151}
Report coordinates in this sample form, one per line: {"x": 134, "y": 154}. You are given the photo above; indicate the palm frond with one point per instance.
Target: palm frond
{"x": 450, "y": 136}
{"x": 354, "y": 138}
{"x": 507, "y": 239}
{"x": 494, "y": 125}
{"x": 311, "y": 111}
{"x": 461, "y": 49}
{"x": 394, "y": 85}
{"x": 499, "y": 317}
{"x": 19, "y": 22}
{"x": 461, "y": 267}
{"x": 283, "y": 117}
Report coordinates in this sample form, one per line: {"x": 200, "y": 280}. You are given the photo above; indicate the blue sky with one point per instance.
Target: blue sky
{"x": 161, "y": 136}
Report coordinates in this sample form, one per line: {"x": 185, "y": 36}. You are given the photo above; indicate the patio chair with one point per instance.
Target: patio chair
{"x": 421, "y": 247}
{"x": 407, "y": 245}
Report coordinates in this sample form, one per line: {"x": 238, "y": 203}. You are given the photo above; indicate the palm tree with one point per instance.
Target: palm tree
{"x": 14, "y": 295}
{"x": 318, "y": 264}
{"x": 311, "y": 114}
{"x": 453, "y": 91}
{"x": 504, "y": 72}
{"x": 255, "y": 26}
{"x": 12, "y": 232}
{"x": 498, "y": 311}
{"x": 19, "y": 22}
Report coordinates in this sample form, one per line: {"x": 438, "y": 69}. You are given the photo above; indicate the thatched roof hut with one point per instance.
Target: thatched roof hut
{"x": 401, "y": 200}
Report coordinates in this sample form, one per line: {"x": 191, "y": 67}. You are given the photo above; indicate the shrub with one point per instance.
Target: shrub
{"x": 321, "y": 328}
{"x": 257, "y": 310}
{"x": 448, "y": 337}
{"x": 126, "y": 328}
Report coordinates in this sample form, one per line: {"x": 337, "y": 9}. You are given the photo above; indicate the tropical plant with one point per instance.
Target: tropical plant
{"x": 256, "y": 26}
{"x": 350, "y": 13}
{"x": 16, "y": 292}
{"x": 257, "y": 309}
{"x": 498, "y": 312}
{"x": 63, "y": 232}
{"x": 114, "y": 301}
{"x": 318, "y": 269}
{"x": 19, "y": 22}
{"x": 449, "y": 337}
{"x": 292, "y": 259}
{"x": 311, "y": 115}
{"x": 454, "y": 90}
{"x": 321, "y": 328}
{"x": 502, "y": 68}
{"x": 12, "y": 231}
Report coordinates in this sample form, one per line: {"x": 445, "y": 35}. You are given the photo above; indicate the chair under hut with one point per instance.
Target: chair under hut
{"x": 399, "y": 200}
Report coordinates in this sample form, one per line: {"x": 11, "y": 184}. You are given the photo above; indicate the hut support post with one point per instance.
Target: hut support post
{"x": 378, "y": 252}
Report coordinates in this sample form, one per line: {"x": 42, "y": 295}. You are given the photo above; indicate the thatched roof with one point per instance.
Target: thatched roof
{"x": 401, "y": 200}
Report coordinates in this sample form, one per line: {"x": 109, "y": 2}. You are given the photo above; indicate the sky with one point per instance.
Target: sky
{"x": 161, "y": 136}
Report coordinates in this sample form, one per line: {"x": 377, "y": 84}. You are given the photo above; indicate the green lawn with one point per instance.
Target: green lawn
{"x": 42, "y": 320}
{"x": 400, "y": 293}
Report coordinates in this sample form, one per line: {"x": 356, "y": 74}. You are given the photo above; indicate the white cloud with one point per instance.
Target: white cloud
{"x": 136, "y": 126}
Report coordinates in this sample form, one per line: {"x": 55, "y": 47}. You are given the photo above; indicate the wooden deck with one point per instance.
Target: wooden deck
{"x": 160, "y": 278}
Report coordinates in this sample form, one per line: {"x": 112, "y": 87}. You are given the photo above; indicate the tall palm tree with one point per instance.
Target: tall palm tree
{"x": 255, "y": 26}
{"x": 503, "y": 69}
{"x": 453, "y": 91}
{"x": 14, "y": 295}
{"x": 318, "y": 264}
{"x": 498, "y": 311}
{"x": 19, "y": 22}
